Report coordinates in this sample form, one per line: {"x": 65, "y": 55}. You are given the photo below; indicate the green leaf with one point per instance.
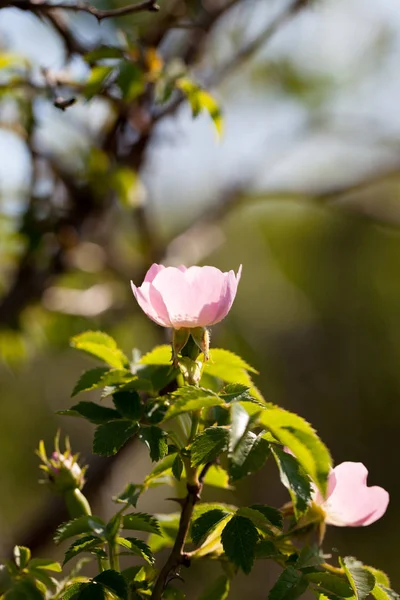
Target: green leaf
{"x": 206, "y": 523}
{"x": 177, "y": 467}
{"x": 137, "y": 547}
{"x": 200, "y": 100}
{"x": 239, "y": 539}
{"x": 240, "y": 419}
{"x": 361, "y": 580}
{"x": 249, "y": 456}
{"x": 97, "y": 80}
{"x": 231, "y": 368}
{"x": 156, "y": 441}
{"x": 162, "y": 467}
{"x": 380, "y": 576}
{"x": 130, "y": 80}
{"x": 160, "y": 355}
{"x": 173, "y": 593}
{"x": 129, "y": 404}
{"x": 71, "y": 592}
{"x": 114, "y": 582}
{"x": 92, "y": 591}
{"x": 101, "y": 346}
{"x": 110, "y": 437}
{"x": 23, "y": 590}
{"x": 266, "y": 549}
{"x": 190, "y": 398}
{"x": 273, "y": 515}
{"x": 298, "y": 435}
{"x": 101, "y": 53}
{"x": 209, "y": 445}
{"x": 333, "y": 584}
{"x": 290, "y": 585}
{"x": 84, "y": 544}
{"x": 141, "y": 522}
{"x": 22, "y": 556}
{"x": 309, "y": 557}
{"x": 217, "y": 477}
{"x": 236, "y": 392}
{"x": 113, "y": 527}
{"x": 256, "y": 517}
{"x": 294, "y": 479}
{"x": 92, "y": 412}
{"x": 46, "y": 564}
{"x": 84, "y": 524}
{"x": 169, "y": 527}
{"x": 381, "y": 592}
{"x": 218, "y": 590}
{"x": 130, "y": 495}
{"x": 90, "y": 380}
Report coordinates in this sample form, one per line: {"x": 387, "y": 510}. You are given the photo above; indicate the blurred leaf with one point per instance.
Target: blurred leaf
{"x": 92, "y": 591}
{"x": 309, "y": 557}
{"x": 207, "y": 446}
{"x": 129, "y": 404}
{"x": 361, "y": 580}
{"x": 206, "y": 523}
{"x": 110, "y": 437}
{"x": 22, "y": 556}
{"x": 130, "y": 494}
{"x": 239, "y": 539}
{"x": 130, "y": 80}
{"x": 72, "y": 590}
{"x": 45, "y": 563}
{"x": 163, "y": 466}
{"x": 217, "y": 477}
{"x": 333, "y": 584}
{"x": 298, "y": 435}
{"x": 92, "y": 412}
{"x": 249, "y": 456}
{"x": 218, "y": 590}
{"x": 23, "y": 590}
{"x": 141, "y": 522}
{"x": 97, "y": 81}
{"x": 114, "y": 582}
{"x": 101, "y": 346}
{"x": 137, "y": 547}
{"x": 84, "y": 524}
{"x": 294, "y": 479}
{"x": 103, "y": 52}
{"x": 200, "y": 100}
{"x": 127, "y": 186}
{"x": 155, "y": 440}
{"x": 160, "y": 355}
{"x": 290, "y": 585}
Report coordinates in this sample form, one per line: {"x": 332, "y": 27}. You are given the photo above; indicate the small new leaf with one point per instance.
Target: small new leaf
{"x": 137, "y": 547}
{"x": 84, "y": 524}
{"x": 84, "y": 544}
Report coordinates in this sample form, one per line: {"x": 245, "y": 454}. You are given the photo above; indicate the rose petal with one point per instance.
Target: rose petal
{"x": 142, "y": 295}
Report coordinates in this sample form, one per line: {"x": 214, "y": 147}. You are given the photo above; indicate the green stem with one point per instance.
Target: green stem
{"x": 195, "y": 425}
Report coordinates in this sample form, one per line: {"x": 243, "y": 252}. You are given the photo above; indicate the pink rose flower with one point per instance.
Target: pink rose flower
{"x": 186, "y": 298}
{"x": 350, "y": 502}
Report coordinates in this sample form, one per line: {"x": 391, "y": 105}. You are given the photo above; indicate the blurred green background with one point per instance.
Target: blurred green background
{"x": 303, "y": 190}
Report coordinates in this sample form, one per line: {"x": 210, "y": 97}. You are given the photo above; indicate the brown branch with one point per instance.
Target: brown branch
{"x": 42, "y": 6}
{"x": 178, "y": 557}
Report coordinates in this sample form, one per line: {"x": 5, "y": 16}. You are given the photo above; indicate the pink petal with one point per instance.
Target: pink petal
{"x": 142, "y": 295}
{"x": 152, "y": 272}
{"x": 350, "y": 501}
{"x": 228, "y": 296}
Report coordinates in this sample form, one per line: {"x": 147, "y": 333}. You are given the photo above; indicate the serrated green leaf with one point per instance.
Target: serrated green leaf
{"x": 160, "y": 355}
{"x": 205, "y": 524}
{"x": 294, "y": 479}
{"x": 90, "y": 380}
{"x": 114, "y": 582}
{"x": 361, "y": 580}
{"x": 84, "y": 544}
{"x": 141, "y": 522}
{"x": 249, "y": 456}
{"x": 256, "y": 517}
{"x": 46, "y": 564}
{"x": 239, "y": 539}
{"x": 111, "y": 436}
{"x": 84, "y": 524}
{"x": 290, "y": 585}
{"x": 231, "y": 368}
{"x": 209, "y": 444}
{"x": 190, "y": 398}
{"x": 267, "y": 549}
{"x": 216, "y": 476}
{"x": 298, "y": 435}
{"x": 128, "y": 404}
{"x": 333, "y": 584}
{"x": 156, "y": 441}
{"x": 380, "y": 576}
{"x": 92, "y": 591}
{"x": 218, "y": 590}
{"x": 72, "y": 591}
{"x": 101, "y": 346}
{"x": 92, "y": 412}
{"x": 273, "y": 515}
{"x": 309, "y": 557}
{"x": 22, "y": 556}
{"x": 137, "y": 547}
{"x": 236, "y": 392}
{"x": 177, "y": 467}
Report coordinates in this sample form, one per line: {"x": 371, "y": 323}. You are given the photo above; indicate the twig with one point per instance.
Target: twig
{"x": 45, "y": 6}
{"x": 178, "y": 557}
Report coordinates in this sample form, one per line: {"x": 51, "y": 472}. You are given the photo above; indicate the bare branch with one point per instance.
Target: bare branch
{"x": 43, "y": 6}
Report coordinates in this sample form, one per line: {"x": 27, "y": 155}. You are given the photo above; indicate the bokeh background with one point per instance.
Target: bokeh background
{"x": 303, "y": 189}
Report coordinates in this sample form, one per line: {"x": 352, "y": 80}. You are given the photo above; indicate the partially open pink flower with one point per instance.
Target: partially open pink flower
{"x": 190, "y": 298}
{"x": 350, "y": 502}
